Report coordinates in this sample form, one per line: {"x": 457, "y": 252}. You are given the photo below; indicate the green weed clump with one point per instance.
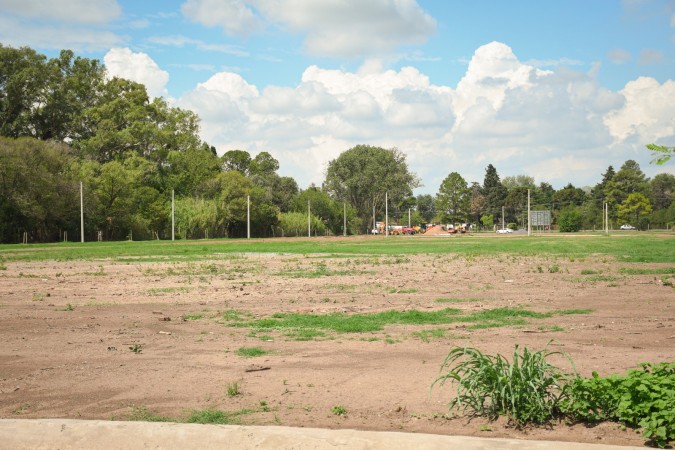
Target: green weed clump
{"x": 526, "y": 390}
{"x": 642, "y": 398}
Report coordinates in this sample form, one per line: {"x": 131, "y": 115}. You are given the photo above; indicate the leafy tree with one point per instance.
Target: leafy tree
{"x": 569, "y": 195}
{"x": 453, "y": 199}
{"x": 542, "y": 196}
{"x": 488, "y": 221}
{"x": 517, "y": 181}
{"x": 426, "y": 207}
{"x": 598, "y": 192}
{"x": 494, "y": 192}
{"x": 628, "y": 180}
{"x": 324, "y": 208}
{"x": 263, "y": 164}
{"x": 239, "y": 160}
{"x": 662, "y": 190}
{"x": 477, "y": 203}
{"x": 188, "y": 169}
{"x": 363, "y": 174}
{"x": 634, "y": 209}
{"x": 570, "y": 219}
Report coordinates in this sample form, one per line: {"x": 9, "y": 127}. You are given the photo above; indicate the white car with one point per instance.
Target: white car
{"x": 504, "y": 230}
{"x": 627, "y": 227}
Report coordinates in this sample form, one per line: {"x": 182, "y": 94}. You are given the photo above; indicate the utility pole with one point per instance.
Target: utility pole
{"x": 309, "y": 219}
{"x": 248, "y": 217}
{"x": 503, "y": 218}
{"x": 173, "y": 215}
{"x": 529, "y": 228}
{"x": 386, "y": 213}
{"x": 344, "y": 215}
{"x": 81, "y": 214}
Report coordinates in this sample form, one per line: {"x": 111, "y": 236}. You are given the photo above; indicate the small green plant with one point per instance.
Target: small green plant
{"x": 187, "y": 317}
{"x": 642, "y": 398}
{"x": 527, "y": 389}
{"x": 233, "y": 389}
{"x": 251, "y": 352}
{"x": 540, "y": 269}
{"x": 69, "y": 307}
{"x": 591, "y": 272}
{"x": 553, "y": 268}
{"x": 136, "y": 348}
{"x": 38, "y": 296}
{"x": 339, "y": 410}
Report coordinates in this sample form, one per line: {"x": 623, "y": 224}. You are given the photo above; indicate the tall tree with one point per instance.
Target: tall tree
{"x": 239, "y": 160}
{"x": 494, "y": 192}
{"x": 453, "y": 199}
{"x": 628, "y": 180}
{"x": 662, "y": 190}
{"x": 635, "y": 209}
{"x": 426, "y": 207}
{"x": 363, "y": 174}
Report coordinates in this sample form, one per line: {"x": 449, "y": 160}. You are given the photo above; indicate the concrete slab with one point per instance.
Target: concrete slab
{"x": 99, "y": 434}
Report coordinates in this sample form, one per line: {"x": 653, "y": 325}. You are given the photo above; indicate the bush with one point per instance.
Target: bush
{"x": 570, "y": 220}
{"x": 295, "y": 224}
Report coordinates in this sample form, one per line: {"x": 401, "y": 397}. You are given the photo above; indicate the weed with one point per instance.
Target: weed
{"x": 591, "y": 272}
{"x": 38, "y": 296}
{"x": 187, "y": 317}
{"x": 540, "y": 269}
{"x": 69, "y": 307}
{"x": 339, "y": 410}
{"x": 251, "y": 352}
{"x": 553, "y": 268}
{"x": 527, "y": 390}
{"x": 659, "y": 271}
{"x": 136, "y": 348}
{"x": 142, "y": 414}
{"x": 402, "y": 291}
{"x": 427, "y": 335}
{"x": 457, "y": 300}
{"x": 233, "y": 389}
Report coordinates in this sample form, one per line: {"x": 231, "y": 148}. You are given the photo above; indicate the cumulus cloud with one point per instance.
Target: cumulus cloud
{"x": 139, "y": 67}
{"x": 557, "y": 126}
{"x": 347, "y": 28}
{"x": 647, "y": 114}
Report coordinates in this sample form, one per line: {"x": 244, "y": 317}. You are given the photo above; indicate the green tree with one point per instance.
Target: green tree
{"x": 569, "y": 195}
{"x": 324, "y": 208}
{"x": 494, "y": 192}
{"x": 628, "y": 180}
{"x": 477, "y": 203}
{"x": 662, "y": 190}
{"x": 453, "y": 199}
{"x": 426, "y": 207}
{"x": 488, "y": 221}
{"x": 635, "y": 209}
{"x": 239, "y": 160}
{"x": 363, "y": 174}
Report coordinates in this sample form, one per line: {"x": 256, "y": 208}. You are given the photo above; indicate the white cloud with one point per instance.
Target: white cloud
{"x": 650, "y": 56}
{"x": 557, "y": 126}
{"x": 347, "y": 28}
{"x": 233, "y": 16}
{"x": 139, "y": 67}
{"x": 647, "y": 115}
{"x": 73, "y": 11}
{"x": 183, "y": 41}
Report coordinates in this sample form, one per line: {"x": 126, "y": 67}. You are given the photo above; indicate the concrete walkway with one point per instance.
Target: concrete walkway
{"x": 100, "y": 434}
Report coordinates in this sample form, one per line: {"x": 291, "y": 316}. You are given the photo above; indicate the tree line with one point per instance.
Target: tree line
{"x": 64, "y": 123}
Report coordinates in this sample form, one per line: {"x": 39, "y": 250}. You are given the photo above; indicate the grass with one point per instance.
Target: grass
{"x": 595, "y": 279}
{"x": 308, "y": 324}
{"x": 251, "y": 352}
{"x": 457, "y": 300}
{"x": 233, "y": 389}
{"x": 658, "y": 271}
{"x": 643, "y": 247}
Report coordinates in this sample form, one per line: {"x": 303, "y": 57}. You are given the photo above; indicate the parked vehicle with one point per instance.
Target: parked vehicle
{"x": 504, "y": 230}
{"x": 627, "y": 227}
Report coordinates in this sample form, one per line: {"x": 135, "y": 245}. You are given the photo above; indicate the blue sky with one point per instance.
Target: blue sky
{"x": 554, "y": 90}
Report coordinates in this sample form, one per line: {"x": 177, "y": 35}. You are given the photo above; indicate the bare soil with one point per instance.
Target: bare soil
{"x": 68, "y": 331}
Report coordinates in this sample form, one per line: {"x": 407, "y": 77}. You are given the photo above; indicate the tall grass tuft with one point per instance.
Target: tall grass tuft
{"x": 526, "y": 390}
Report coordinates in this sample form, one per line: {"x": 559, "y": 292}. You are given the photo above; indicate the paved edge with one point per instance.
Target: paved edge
{"x": 100, "y": 434}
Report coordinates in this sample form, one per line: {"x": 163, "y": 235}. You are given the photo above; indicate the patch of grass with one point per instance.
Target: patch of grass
{"x": 304, "y": 334}
{"x": 595, "y": 279}
{"x": 591, "y": 272}
{"x": 436, "y": 333}
{"x": 218, "y": 417}
{"x": 564, "y": 312}
{"x": 658, "y": 271}
{"x": 167, "y": 290}
{"x": 553, "y": 268}
{"x": 142, "y": 414}
{"x": 402, "y": 291}
{"x": 187, "y": 317}
{"x": 69, "y": 307}
{"x": 457, "y": 300}
{"x": 317, "y": 271}
{"x": 251, "y": 352}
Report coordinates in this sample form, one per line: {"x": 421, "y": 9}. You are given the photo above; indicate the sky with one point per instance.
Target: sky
{"x": 556, "y": 90}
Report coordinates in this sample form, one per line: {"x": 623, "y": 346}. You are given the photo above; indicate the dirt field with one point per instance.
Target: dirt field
{"x": 110, "y": 339}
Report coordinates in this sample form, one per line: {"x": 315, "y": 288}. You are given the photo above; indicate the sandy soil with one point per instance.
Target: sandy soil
{"x": 68, "y": 329}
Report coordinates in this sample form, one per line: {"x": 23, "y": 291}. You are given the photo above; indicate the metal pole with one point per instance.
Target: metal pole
{"x": 386, "y": 213}
{"x": 81, "y": 214}
{"x": 173, "y": 215}
{"x": 248, "y": 217}
{"x": 344, "y": 214}
{"x": 374, "y": 223}
{"x": 408, "y": 217}
{"x": 503, "y": 218}
{"x": 529, "y": 228}
{"x": 309, "y": 219}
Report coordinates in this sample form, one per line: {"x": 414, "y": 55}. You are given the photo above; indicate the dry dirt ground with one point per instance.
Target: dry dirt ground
{"x": 122, "y": 339}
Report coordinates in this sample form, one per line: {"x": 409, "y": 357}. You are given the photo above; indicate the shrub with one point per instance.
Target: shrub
{"x": 570, "y": 220}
